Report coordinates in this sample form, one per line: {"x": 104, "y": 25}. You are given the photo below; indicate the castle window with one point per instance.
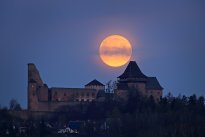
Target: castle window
{"x": 82, "y": 94}
{"x": 87, "y": 94}
{"x": 64, "y": 94}
{"x": 93, "y": 94}
{"x": 34, "y": 94}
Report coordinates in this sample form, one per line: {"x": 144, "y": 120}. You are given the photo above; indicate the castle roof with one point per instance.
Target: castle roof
{"x": 132, "y": 71}
{"x": 153, "y": 83}
{"x": 94, "y": 83}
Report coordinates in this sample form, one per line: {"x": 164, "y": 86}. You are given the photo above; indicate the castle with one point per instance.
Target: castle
{"x": 134, "y": 79}
{"x": 44, "y": 99}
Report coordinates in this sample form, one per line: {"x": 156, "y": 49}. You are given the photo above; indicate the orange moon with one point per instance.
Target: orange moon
{"x": 115, "y": 50}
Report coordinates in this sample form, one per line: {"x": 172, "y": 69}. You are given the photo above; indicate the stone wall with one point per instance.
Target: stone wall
{"x": 73, "y": 94}
{"x": 34, "y": 84}
{"x": 42, "y": 93}
{"x": 42, "y": 98}
{"x": 95, "y": 87}
{"x": 157, "y": 94}
{"x": 141, "y": 88}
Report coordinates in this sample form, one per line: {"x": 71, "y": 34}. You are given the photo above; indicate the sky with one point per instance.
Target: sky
{"x": 62, "y": 39}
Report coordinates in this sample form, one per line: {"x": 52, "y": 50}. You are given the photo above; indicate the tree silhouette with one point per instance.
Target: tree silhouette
{"x": 14, "y": 105}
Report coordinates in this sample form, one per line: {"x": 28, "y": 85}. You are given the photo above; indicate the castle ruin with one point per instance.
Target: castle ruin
{"x": 44, "y": 99}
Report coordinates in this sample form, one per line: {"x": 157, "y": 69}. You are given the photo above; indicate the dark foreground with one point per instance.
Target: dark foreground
{"x": 138, "y": 117}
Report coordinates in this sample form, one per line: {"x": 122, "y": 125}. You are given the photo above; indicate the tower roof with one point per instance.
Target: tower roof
{"x": 132, "y": 71}
{"x": 153, "y": 83}
{"x": 94, "y": 82}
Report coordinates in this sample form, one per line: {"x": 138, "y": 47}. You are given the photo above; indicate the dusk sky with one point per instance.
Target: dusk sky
{"x": 62, "y": 39}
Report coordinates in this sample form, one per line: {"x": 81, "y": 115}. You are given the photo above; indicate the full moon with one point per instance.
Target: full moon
{"x": 115, "y": 50}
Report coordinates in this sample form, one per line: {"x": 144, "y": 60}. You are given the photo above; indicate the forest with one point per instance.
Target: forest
{"x": 139, "y": 116}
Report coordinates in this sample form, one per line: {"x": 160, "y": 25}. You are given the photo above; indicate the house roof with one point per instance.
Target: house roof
{"x": 132, "y": 71}
{"x": 153, "y": 83}
{"x": 94, "y": 83}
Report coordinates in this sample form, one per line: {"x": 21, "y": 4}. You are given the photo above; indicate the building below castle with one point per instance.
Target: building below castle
{"x": 44, "y": 99}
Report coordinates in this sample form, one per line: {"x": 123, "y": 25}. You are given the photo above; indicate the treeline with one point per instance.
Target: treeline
{"x": 172, "y": 117}
{"x": 179, "y": 116}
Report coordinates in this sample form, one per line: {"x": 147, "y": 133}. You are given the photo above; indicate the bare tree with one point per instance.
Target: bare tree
{"x": 111, "y": 86}
{"x": 14, "y": 105}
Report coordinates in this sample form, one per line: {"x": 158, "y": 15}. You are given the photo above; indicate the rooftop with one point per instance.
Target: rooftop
{"x": 94, "y": 83}
{"x": 153, "y": 83}
{"x": 132, "y": 71}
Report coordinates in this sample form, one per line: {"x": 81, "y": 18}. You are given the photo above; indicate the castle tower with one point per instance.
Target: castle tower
{"x": 133, "y": 78}
{"x": 37, "y": 91}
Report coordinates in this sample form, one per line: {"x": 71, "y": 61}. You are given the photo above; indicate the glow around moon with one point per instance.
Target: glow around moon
{"x": 115, "y": 50}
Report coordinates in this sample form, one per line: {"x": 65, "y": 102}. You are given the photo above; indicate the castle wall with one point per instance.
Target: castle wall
{"x": 41, "y": 98}
{"x": 32, "y": 96}
{"x": 34, "y": 84}
{"x": 95, "y": 87}
{"x": 73, "y": 94}
{"x": 157, "y": 94}
{"x": 59, "y": 97}
{"x": 33, "y": 75}
{"x": 122, "y": 94}
{"x": 42, "y": 93}
{"x": 140, "y": 86}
